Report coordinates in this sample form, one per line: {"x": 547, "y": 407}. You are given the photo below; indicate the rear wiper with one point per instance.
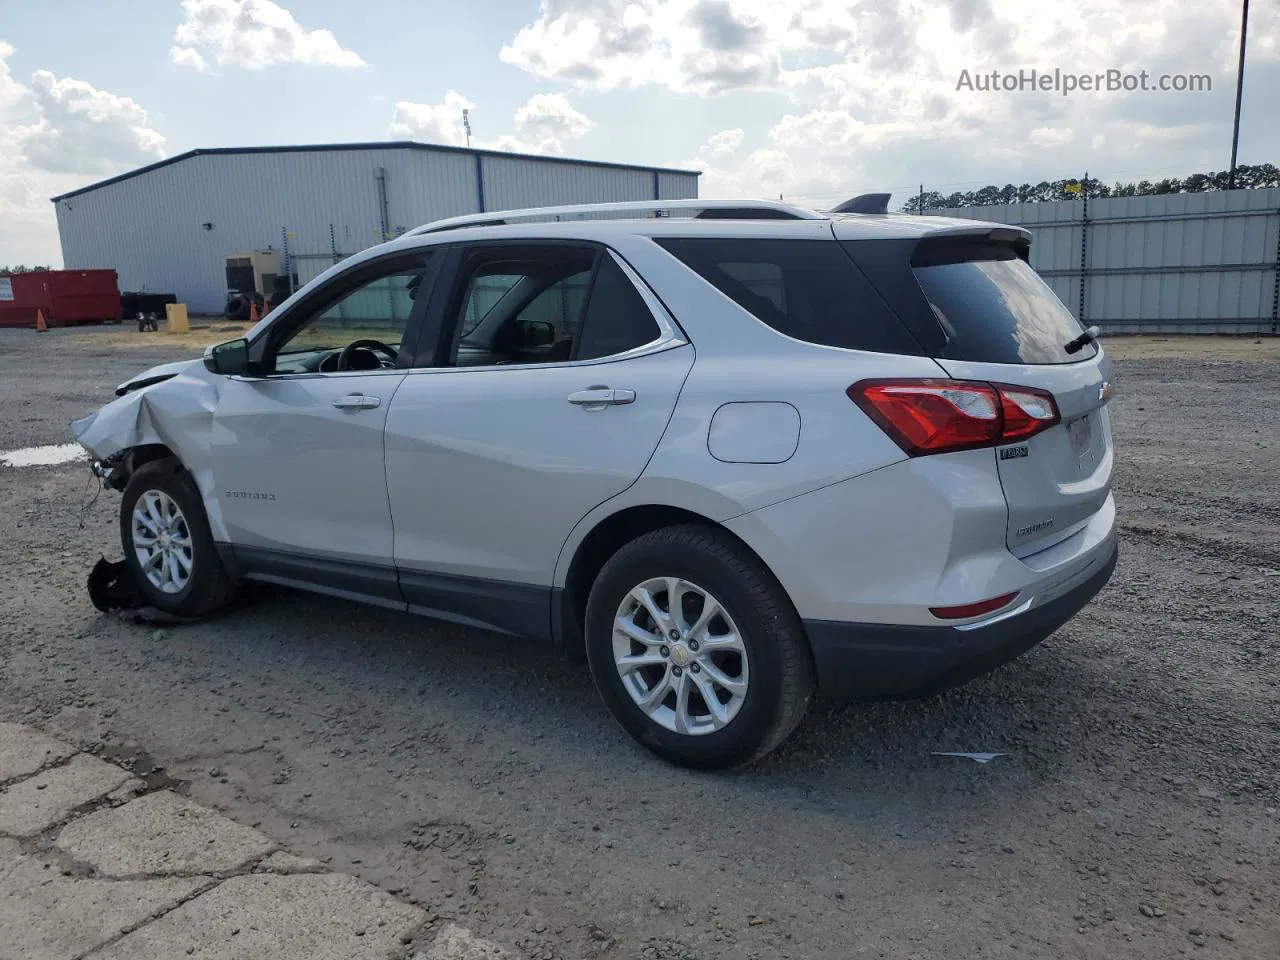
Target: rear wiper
{"x": 1080, "y": 342}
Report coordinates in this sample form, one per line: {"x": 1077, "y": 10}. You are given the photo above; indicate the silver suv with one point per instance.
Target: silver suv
{"x": 731, "y": 452}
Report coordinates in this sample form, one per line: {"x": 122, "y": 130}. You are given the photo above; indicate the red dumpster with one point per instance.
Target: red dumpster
{"x": 66, "y": 297}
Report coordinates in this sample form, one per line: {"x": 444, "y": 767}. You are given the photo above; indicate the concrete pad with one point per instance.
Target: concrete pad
{"x": 161, "y": 833}
{"x": 32, "y": 806}
{"x": 459, "y": 943}
{"x": 315, "y": 917}
{"x": 23, "y": 751}
{"x": 46, "y": 916}
{"x": 288, "y": 863}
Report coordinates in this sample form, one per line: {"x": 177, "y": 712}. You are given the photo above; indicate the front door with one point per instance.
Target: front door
{"x": 552, "y": 397}
{"x": 298, "y": 448}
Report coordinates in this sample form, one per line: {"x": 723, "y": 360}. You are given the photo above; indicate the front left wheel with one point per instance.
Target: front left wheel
{"x": 167, "y": 543}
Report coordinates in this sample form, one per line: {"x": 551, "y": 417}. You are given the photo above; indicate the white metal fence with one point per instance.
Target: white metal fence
{"x": 1176, "y": 263}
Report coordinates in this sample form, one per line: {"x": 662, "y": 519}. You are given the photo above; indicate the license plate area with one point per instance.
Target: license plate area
{"x": 1080, "y": 433}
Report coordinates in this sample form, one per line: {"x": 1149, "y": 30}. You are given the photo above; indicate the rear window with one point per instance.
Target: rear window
{"x": 807, "y": 289}
{"x": 993, "y": 307}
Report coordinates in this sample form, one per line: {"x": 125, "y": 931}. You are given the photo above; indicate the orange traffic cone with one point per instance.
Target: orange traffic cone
{"x": 41, "y": 326}
{"x": 253, "y": 311}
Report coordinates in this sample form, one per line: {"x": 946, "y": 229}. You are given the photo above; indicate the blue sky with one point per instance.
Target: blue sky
{"x": 813, "y": 99}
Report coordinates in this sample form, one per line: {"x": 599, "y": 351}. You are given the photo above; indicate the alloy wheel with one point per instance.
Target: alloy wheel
{"x": 162, "y": 541}
{"x": 681, "y": 657}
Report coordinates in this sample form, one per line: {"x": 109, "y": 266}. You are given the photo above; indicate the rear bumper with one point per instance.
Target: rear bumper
{"x": 867, "y": 661}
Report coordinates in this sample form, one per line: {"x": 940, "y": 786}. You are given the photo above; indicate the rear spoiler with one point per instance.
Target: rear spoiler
{"x": 950, "y": 247}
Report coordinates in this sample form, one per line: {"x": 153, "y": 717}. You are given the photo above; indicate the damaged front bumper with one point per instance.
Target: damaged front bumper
{"x": 112, "y": 471}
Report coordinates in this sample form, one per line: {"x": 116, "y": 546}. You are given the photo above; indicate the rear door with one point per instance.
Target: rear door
{"x": 994, "y": 319}
{"x": 559, "y": 375}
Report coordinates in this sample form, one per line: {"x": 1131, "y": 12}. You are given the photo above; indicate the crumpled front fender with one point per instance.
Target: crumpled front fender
{"x": 176, "y": 413}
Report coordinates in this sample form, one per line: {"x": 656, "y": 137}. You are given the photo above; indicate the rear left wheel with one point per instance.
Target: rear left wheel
{"x": 696, "y": 649}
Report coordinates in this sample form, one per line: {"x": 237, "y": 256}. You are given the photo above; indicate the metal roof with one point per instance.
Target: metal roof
{"x": 383, "y": 145}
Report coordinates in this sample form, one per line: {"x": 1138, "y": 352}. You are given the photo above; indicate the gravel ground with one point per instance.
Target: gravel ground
{"x": 1134, "y": 814}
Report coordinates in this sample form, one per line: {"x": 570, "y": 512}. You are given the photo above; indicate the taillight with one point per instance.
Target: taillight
{"x": 967, "y": 610}
{"x": 942, "y": 416}
{"x": 1026, "y": 412}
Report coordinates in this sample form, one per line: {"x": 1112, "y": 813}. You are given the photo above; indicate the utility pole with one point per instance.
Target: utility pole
{"x": 920, "y": 209}
{"x": 466, "y": 125}
{"x": 1235, "y": 130}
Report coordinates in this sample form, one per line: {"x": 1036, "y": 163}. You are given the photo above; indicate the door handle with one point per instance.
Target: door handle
{"x": 601, "y": 396}
{"x": 357, "y": 401}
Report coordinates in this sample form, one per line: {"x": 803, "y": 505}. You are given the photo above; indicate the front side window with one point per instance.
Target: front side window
{"x": 360, "y": 329}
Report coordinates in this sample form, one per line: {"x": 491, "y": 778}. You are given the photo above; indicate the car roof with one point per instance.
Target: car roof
{"x": 868, "y": 218}
{"x": 842, "y": 226}
{"x": 606, "y": 222}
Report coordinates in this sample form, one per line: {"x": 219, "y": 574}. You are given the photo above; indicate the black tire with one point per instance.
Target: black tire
{"x": 781, "y": 672}
{"x": 237, "y": 308}
{"x": 208, "y": 586}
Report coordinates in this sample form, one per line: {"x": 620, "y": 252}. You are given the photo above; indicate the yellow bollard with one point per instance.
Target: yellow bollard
{"x": 176, "y": 314}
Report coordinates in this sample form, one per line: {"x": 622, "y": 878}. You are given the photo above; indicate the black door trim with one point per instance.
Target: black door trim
{"x": 516, "y": 609}
{"x": 363, "y": 582}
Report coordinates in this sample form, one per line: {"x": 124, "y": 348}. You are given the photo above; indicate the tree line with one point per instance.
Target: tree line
{"x": 10, "y": 271}
{"x": 1247, "y": 177}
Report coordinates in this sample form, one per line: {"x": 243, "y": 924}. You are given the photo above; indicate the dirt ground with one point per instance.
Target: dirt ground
{"x": 1134, "y": 813}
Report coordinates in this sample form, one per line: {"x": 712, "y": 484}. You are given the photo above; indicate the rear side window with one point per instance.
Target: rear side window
{"x": 993, "y": 307}
{"x": 617, "y": 317}
{"x": 807, "y": 289}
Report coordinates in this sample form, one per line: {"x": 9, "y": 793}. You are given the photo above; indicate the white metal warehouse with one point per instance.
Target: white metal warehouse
{"x": 179, "y": 226}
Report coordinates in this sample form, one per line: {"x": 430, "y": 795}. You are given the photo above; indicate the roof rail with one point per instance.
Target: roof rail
{"x": 705, "y": 209}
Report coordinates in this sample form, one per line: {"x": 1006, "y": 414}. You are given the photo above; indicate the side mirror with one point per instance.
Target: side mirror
{"x": 228, "y": 358}
{"x": 538, "y": 333}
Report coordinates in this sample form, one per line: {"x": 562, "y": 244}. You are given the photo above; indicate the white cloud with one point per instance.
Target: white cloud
{"x": 432, "y": 123}
{"x": 86, "y": 130}
{"x": 56, "y": 135}
{"x": 1051, "y": 136}
{"x": 545, "y": 122}
{"x": 700, "y": 46}
{"x": 872, "y": 85}
{"x": 252, "y": 34}
{"x": 724, "y": 143}
{"x": 11, "y": 91}
{"x": 187, "y": 57}
{"x": 542, "y": 124}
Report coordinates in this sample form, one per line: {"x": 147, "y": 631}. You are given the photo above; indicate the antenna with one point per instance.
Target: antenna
{"x": 865, "y": 203}
{"x": 466, "y": 124}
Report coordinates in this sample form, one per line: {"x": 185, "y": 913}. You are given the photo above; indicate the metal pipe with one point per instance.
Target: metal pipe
{"x": 1235, "y": 130}
{"x": 1084, "y": 243}
{"x": 1275, "y": 289}
{"x": 383, "y": 207}
{"x": 1176, "y": 268}
{"x": 1154, "y": 218}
